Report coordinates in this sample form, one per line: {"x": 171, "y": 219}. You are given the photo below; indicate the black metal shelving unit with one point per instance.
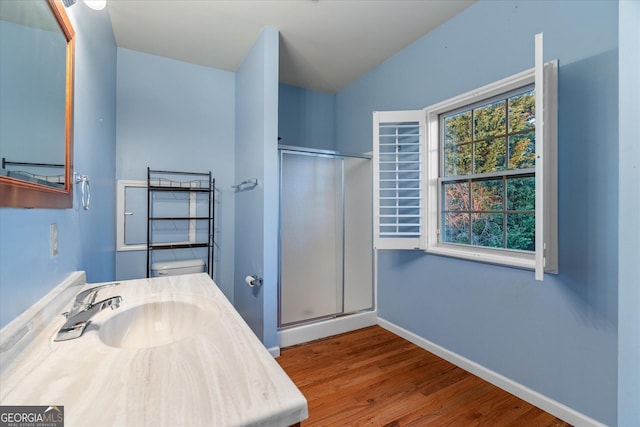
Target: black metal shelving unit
{"x": 180, "y": 182}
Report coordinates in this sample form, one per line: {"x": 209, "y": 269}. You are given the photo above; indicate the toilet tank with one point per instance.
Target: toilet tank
{"x": 175, "y": 268}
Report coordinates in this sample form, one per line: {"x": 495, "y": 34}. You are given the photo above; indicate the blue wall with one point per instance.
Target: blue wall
{"x": 629, "y": 222}
{"x": 256, "y": 212}
{"x": 306, "y": 118}
{"x": 558, "y": 337}
{"x": 173, "y": 115}
{"x": 86, "y": 238}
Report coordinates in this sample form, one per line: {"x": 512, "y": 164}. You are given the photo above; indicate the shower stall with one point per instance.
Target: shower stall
{"x": 326, "y": 255}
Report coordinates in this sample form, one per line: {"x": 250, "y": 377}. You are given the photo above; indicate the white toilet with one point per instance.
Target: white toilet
{"x": 176, "y": 268}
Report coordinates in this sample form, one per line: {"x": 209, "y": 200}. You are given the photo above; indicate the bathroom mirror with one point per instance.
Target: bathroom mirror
{"x": 36, "y": 107}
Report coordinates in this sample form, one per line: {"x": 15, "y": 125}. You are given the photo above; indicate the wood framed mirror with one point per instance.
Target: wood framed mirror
{"x": 36, "y": 115}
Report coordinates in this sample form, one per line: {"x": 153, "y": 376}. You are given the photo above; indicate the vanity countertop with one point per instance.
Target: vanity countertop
{"x": 219, "y": 374}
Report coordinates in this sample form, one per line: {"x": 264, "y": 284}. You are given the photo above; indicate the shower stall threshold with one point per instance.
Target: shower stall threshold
{"x": 325, "y": 328}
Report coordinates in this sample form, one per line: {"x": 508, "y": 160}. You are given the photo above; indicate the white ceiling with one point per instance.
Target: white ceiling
{"x": 324, "y": 44}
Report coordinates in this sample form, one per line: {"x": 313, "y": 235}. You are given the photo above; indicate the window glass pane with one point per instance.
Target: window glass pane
{"x": 488, "y": 195}
{"x": 522, "y": 151}
{"x": 457, "y": 160}
{"x": 522, "y": 109}
{"x": 457, "y": 128}
{"x": 135, "y": 224}
{"x": 456, "y": 196}
{"x": 490, "y": 156}
{"x": 521, "y": 231}
{"x": 456, "y": 228}
{"x": 521, "y": 194}
{"x": 487, "y": 230}
{"x": 496, "y": 210}
{"x": 489, "y": 120}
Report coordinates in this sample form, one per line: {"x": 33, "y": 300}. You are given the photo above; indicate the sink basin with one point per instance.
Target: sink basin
{"x": 157, "y": 323}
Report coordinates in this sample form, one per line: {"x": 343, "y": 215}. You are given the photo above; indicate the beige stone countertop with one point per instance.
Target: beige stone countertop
{"x": 204, "y": 367}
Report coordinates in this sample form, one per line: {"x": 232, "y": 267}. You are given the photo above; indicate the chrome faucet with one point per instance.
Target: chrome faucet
{"x": 84, "y": 307}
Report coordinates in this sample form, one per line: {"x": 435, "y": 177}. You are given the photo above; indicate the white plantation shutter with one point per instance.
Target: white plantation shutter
{"x": 546, "y": 82}
{"x": 398, "y": 168}
{"x": 539, "y": 83}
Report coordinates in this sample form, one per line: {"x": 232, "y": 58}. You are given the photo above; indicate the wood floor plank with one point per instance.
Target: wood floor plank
{"x": 373, "y": 377}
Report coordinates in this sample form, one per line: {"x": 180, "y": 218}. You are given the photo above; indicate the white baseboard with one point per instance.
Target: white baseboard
{"x": 326, "y": 328}
{"x": 275, "y": 351}
{"x": 541, "y": 401}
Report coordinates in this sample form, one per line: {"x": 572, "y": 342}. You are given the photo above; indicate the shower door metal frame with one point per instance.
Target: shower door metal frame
{"x": 286, "y": 149}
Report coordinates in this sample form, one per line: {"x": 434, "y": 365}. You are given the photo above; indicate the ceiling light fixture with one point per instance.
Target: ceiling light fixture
{"x": 93, "y": 4}
{"x": 96, "y": 4}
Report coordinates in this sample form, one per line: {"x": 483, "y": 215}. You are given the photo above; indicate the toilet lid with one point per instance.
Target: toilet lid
{"x": 171, "y": 265}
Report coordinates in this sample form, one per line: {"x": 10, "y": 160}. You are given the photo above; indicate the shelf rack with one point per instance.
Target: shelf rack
{"x": 180, "y": 182}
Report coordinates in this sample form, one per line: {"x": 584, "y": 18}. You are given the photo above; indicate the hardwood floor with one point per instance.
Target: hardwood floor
{"x": 373, "y": 377}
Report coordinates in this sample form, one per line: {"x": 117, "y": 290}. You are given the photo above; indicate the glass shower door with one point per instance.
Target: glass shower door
{"x": 311, "y": 237}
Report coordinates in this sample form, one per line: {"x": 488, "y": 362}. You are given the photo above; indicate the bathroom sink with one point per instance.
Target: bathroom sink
{"x": 157, "y": 323}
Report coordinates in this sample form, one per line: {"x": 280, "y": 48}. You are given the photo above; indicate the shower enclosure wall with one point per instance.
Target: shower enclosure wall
{"x": 326, "y": 256}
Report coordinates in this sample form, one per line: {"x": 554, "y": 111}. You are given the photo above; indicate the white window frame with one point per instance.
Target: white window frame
{"x": 121, "y": 214}
{"x": 547, "y": 170}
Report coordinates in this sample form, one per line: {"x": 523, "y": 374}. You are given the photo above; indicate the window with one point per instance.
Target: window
{"x": 483, "y": 176}
{"x": 487, "y": 173}
{"x": 473, "y": 176}
{"x": 131, "y": 215}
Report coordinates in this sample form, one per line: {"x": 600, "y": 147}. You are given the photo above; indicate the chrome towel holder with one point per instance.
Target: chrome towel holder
{"x": 85, "y": 189}
{"x": 246, "y": 184}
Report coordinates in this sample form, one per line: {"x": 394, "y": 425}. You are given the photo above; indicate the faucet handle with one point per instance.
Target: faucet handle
{"x": 72, "y": 331}
{"x": 112, "y": 303}
{"x": 91, "y": 293}
{"x": 78, "y": 320}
